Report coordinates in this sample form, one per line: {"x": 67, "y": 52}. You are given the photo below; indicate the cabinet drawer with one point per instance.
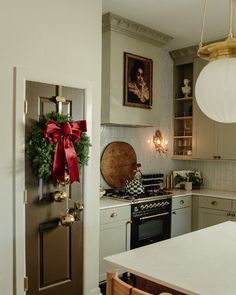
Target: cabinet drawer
{"x": 181, "y": 202}
{"x": 114, "y": 214}
{"x": 215, "y": 203}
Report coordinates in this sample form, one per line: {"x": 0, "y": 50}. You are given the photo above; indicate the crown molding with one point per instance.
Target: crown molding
{"x": 116, "y": 23}
{"x": 184, "y": 52}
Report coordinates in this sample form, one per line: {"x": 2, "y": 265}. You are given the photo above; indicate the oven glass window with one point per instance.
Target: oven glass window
{"x": 149, "y": 229}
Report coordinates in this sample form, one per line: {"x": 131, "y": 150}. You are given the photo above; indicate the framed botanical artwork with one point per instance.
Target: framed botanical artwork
{"x": 137, "y": 81}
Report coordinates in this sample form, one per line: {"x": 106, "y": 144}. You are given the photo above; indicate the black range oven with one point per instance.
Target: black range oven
{"x": 151, "y": 222}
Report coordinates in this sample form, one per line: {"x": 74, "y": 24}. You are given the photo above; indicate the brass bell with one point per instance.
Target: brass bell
{"x": 67, "y": 180}
{"x": 59, "y": 196}
{"x": 67, "y": 219}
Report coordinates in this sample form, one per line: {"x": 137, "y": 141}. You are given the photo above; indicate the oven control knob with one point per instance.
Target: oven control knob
{"x": 146, "y": 206}
{"x": 154, "y": 205}
{"x": 162, "y": 204}
{"x": 151, "y": 205}
{"x": 142, "y": 207}
{"x": 158, "y": 204}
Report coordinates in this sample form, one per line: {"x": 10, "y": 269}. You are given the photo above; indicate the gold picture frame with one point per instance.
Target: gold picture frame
{"x": 138, "y": 72}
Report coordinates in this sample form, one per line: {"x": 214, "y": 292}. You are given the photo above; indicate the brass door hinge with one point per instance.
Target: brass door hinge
{"x": 25, "y": 196}
{"x": 26, "y": 283}
{"x": 25, "y": 106}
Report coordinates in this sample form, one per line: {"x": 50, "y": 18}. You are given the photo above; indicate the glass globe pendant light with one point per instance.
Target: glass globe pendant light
{"x": 215, "y": 89}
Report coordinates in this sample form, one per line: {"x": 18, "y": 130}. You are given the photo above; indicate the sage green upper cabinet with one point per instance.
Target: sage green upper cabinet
{"x": 211, "y": 139}
{"x": 204, "y": 131}
{"x": 226, "y": 148}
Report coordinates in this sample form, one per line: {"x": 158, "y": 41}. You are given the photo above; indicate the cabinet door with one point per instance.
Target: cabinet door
{"x": 180, "y": 221}
{"x": 204, "y": 137}
{"x": 114, "y": 238}
{"x": 208, "y": 217}
{"x": 226, "y": 141}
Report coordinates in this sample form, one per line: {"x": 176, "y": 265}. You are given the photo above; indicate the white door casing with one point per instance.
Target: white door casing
{"x": 91, "y": 200}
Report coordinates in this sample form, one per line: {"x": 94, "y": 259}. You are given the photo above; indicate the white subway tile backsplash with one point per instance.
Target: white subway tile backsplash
{"x": 216, "y": 174}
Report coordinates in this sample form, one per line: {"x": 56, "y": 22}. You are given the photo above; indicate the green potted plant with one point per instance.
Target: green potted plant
{"x": 195, "y": 178}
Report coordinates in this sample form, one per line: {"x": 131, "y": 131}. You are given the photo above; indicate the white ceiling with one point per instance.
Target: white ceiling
{"x": 180, "y": 19}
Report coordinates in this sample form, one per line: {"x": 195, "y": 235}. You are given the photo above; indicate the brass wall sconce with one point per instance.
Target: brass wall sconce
{"x": 160, "y": 144}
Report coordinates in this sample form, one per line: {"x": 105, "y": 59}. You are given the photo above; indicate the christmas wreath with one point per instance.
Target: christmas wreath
{"x": 57, "y": 144}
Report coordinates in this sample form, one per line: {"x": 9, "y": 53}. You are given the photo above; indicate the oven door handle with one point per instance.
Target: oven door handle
{"x": 156, "y": 215}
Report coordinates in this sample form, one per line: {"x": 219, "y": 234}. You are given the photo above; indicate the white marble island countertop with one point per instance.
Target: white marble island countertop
{"x": 202, "y": 262}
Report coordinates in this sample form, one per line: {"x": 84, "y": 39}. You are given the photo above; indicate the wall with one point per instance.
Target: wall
{"x": 150, "y": 160}
{"x": 160, "y": 117}
{"x": 122, "y": 35}
{"x": 56, "y": 36}
{"x": 219, "y": 175}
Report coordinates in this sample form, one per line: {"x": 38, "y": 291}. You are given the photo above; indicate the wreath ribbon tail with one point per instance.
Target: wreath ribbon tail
{"x": 72, "y": 161}
{"x": 59, "y": 163}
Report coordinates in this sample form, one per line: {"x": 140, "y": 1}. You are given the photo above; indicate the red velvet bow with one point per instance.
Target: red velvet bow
{"x": 63, "y": 135}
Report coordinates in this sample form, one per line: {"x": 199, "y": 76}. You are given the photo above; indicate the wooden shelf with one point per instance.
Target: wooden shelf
{"x": 181, "y": 157}
{"x": 184, "y": 99}
{"x": 183, "y": 118}
{"x": 182, "y": 136}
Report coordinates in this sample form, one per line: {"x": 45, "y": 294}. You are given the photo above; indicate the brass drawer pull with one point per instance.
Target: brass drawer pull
{"x": 113, "y": 215}
{"x": 214, "y": 203}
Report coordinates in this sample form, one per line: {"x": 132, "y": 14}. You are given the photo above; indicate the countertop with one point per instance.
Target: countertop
{"x": 106, "y": 203}
{"x": 202, "y": 262}
{"x": 111, "y": 203}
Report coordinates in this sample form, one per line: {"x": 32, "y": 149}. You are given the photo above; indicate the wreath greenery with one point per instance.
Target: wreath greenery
{"x": 41, "y": 152}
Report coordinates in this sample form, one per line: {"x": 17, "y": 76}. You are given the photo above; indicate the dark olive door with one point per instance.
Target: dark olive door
{"x": 54, "y": 253}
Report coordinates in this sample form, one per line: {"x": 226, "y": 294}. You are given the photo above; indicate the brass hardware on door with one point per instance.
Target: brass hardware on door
{"x": 67, "y": 219}
{"x": 76, "y": 210}
{"x": 59, "y": 196}
{"x": 214, "y": 203}
{"x": 72, "y": 215}
{"x": 182, "y": 202}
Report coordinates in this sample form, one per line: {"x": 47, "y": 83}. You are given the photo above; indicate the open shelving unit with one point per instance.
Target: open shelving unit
{"x": 183, "y": 112}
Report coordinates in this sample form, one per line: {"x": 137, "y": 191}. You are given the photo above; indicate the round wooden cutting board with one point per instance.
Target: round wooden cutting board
{"x": 118, "y": 164}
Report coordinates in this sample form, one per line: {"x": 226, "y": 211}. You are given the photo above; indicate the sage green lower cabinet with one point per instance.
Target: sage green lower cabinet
{"x": 215, "y": 210}
{"x": 181, "y": 216}
{"x": 114, "y": 235}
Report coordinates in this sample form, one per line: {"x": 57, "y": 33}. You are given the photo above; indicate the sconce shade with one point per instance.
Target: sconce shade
{"x": 215, "y": 90}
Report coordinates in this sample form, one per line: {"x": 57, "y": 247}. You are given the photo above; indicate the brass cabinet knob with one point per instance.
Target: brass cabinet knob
{"x": 59, "y": 196}
{"x": 173, "y": 212}
{"x": 214, "y": 203}
{"x": 182, "y": 202}
{"x": 113, "y": 215}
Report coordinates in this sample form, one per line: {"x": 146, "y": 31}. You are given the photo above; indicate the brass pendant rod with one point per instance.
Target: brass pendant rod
{"x": 203, "y": 24}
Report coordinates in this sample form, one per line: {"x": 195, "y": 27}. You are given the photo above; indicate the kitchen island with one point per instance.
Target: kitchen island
{"x": 202, "y": 262}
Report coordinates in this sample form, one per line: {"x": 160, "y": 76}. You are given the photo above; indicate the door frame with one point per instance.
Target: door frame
{"x": 21, "y": 75}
